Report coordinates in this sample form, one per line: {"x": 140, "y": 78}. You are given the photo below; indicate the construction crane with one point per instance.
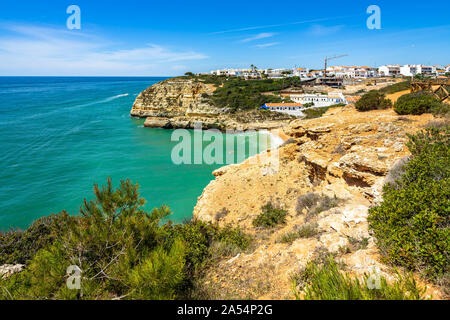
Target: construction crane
{"x": 332, "y": 58}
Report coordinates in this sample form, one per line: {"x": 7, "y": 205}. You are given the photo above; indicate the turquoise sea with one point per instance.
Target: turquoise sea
{"x": 59, "y": 136}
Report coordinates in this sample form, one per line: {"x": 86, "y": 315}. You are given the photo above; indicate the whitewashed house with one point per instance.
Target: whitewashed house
{"x": 440, "y": 71}
{"x": 408, "y": 70}
{"x": 425, "y": 70}
{"x": 301, "y": 72}
{"x": 389, "y": 71}
{"x": 352, "y": 72}
{"x": 293, "y": 109}
{"x": 319, "y": 100}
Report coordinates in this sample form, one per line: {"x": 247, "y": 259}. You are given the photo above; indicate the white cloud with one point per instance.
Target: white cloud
{"x": 320, "y": 30}
{"x": 266, "y": 45}
{"x": 258, "y": 37}
{"x": 31, "y": 50}
{"x": 286, "y": 24}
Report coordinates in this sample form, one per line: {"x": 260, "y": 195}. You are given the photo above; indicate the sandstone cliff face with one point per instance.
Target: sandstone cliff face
{"x": 175, "y": 98}
{"x": 344, "y": 155}
{"x": 181, "y": 103}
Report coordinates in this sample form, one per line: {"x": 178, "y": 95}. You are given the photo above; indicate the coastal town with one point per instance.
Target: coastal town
{"x": 333, "y": 85}
{"x": 338, "y": 72}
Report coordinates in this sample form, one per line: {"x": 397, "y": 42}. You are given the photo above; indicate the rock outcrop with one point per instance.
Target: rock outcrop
{"x": 182, "y": 103}
{"x": 176, "y": 98}
{"x": 344, "y": 156}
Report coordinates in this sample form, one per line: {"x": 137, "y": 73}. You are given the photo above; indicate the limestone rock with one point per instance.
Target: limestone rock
{"x": 178, "y": 103}
{"x": 153, "y": 122}
{"x": 175, "y": 97}
{"x": 353, "y": 177}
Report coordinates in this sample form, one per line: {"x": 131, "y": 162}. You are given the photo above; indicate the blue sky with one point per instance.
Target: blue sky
{"x": 165, "y": 38}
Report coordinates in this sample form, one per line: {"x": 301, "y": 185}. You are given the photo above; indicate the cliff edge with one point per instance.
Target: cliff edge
{"x": 343, "y": 157}
{"x": 181, "y": 102}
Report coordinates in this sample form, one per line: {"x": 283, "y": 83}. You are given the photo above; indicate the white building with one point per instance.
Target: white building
{"x": 279, "y": 73}
{"x": 389, "y": 71}
{"x": 301, "y": 72}
{"x": 408, "y": 70}
{"x": 293, "y": 109}
{"x": 352, "y": 72}
{"x": 365, "y": 72}
{"x": 231, "y": 72}
{"x": 319, "y": 100}
{"x": 440, "y": 71}
{"x": 447, "y": 68}
{"x": 425, "y": 70}
{"x": 315, "y": 73}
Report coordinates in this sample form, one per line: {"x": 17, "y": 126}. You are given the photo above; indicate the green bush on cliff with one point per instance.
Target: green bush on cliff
{"x": 20, "y": 246}
{"x": 270, "y": 217}
{"x": 373, "y": 100}
{"x": 326, "y": 281}
{"x": 122, "y": 250}
{"x": 238, "y": 94}
{"x": 412, "y": 222}
{"x": 419, "y": 103}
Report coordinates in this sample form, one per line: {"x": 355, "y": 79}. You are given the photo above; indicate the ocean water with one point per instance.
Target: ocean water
{"x": 59, "y": 136}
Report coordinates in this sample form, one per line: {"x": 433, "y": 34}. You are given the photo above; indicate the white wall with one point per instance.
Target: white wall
{"x": 318, "y": 100}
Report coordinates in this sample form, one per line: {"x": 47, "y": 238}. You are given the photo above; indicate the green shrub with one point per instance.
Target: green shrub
{"x": 373, "y": 100}
{"x": 411, "y": 225}
{"x": 238, "y": 94}
{"x": 197, "y": 237}
{"x": 270, "y": 217}
{"x": 418, "y": 103}
{"x": 233, "y": 237}
{"x": 123, "y": 251}
{"x": 328, "y": 282}
{"x": 21, "y": 246}
{"x": 307, "y": 201}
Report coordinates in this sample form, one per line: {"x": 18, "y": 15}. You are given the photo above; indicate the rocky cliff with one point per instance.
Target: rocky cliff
{"x": 181, "y": 102}
{"x": 346, "y": 156}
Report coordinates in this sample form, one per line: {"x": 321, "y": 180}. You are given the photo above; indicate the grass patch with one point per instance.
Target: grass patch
{"x": 396, "y": 172}
{"x": 397, "y": 87}
{"x": 313, "y": 113}
{"x": 307, "y": 201}
{"x": 305, "y": 231}
{"x": 358, "y": 243}
{"x": 270, "y": 217}
{"x": 326, "y": 281}
{"x": 315, "y": 204}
